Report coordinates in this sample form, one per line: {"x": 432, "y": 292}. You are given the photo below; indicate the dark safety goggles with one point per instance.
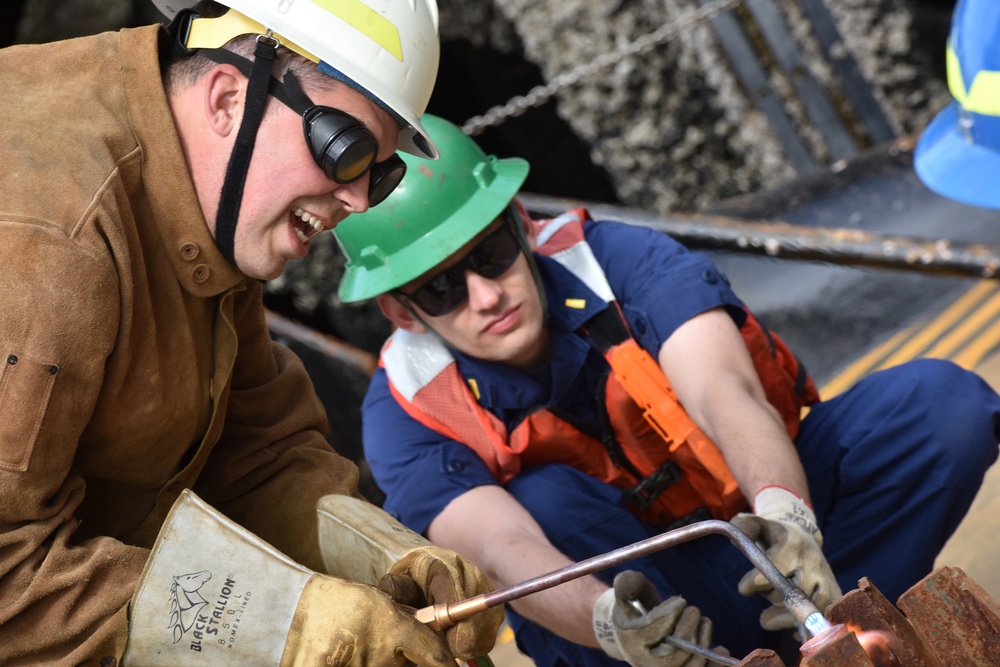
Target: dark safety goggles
{"x": 490, "y": 258}
{"x": 341, "y": 145}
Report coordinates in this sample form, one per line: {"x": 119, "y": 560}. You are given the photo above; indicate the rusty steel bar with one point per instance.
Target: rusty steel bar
{"x": 955, "y": 617}
{"x": 839, "y": 647}
{"x": 799, "y": 605}
{"x": 852, "y": 247}
{"x": 867, "y": 608}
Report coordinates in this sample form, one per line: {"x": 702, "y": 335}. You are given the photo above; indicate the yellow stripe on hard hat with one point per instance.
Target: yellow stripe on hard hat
{"x": 983, "y": 96}
{"x": 368, "y": 22}
{"x": 214, "y": 33}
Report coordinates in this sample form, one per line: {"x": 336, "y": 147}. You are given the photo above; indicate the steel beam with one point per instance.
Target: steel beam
{"x": 854, "y": 247}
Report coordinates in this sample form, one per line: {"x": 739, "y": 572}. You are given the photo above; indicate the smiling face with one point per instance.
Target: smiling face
{"x": 288, "y": 199}
{"x": 503, "y": 319}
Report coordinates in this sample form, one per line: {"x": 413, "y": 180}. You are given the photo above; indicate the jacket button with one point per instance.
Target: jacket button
{"x": 201, "y": 273}
{"x": 456, "y": 466}
{"x": 12, "y": 359}
{"x": 190, "y": 250}
{"x": 709, "y": 277}
{"x": 640, "y": 325}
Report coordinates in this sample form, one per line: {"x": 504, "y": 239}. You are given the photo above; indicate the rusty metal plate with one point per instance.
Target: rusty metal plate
{"x": 866, "y": 609}
{"x": 955, "y": 617}
{"x": 841, "y": 650}
{"x": 762, "y": 657}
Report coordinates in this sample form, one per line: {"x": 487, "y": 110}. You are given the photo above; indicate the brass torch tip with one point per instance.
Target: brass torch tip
{"x": 429, "y": 616}
{"x": 441, "y": 616}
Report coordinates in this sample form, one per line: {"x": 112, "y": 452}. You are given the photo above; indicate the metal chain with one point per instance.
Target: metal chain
{"x": 539, "y": 95}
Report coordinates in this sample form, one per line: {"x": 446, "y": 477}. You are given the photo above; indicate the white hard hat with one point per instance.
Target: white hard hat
{"x": 388, "y": 48}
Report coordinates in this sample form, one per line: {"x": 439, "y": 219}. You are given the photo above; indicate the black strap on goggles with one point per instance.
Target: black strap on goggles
{"x": 259, "y": 76}
{"x": 239, "y": 162}
{"x": 343, "y": 147}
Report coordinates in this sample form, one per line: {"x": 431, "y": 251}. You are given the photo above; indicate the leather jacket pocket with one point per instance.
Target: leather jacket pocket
{"x": 25, "y": 390}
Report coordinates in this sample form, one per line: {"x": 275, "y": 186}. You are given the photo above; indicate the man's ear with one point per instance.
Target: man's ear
{"x": 399, "y": 314}
{"x": 225, "y": 91}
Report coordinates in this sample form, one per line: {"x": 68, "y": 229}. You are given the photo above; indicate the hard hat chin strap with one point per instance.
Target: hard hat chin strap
{"x": 239, "y": 161}
{"x": 521, "y": 219}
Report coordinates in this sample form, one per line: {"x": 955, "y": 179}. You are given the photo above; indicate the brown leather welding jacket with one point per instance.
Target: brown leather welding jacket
{"x": 136, "y": 361}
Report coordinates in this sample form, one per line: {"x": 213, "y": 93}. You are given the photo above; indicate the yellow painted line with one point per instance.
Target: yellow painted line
{"x": 945, "y": 348}
{"x": 928, "y": 334}
{"x": 849, "y": 376}
{"x": 913, "y": 341}
{"x": 976, "y": 351}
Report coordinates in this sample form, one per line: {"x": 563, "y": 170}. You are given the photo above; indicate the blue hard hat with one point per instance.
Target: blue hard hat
{"x": 958, "y": 155}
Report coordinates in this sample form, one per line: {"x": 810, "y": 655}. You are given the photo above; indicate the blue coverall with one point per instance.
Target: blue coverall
{"x": 893, "y": 464}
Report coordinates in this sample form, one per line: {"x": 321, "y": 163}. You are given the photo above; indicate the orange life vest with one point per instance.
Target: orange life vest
{"x": 668, "y": 482}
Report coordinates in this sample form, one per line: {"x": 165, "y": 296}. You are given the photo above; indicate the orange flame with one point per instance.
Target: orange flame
{"x": 877, "y": 645}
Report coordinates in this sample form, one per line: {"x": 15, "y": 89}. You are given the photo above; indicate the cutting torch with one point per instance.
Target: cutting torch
{"x": 809, "y": 618}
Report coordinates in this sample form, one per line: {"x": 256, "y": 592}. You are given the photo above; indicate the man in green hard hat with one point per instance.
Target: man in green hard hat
{"x": 556, "y": 389}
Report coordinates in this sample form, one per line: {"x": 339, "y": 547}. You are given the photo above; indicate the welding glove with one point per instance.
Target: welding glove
{"x": 212, "y": 593}
{"x": 785, "y": 527}
{"x": 362, "y": 543}
{"x": 631, "y": 624}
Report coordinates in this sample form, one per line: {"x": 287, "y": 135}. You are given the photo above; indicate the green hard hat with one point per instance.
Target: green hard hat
{"x": 439, "y": 206}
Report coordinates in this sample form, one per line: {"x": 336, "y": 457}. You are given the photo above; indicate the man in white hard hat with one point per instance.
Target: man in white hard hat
{"x": 166, "y": 492}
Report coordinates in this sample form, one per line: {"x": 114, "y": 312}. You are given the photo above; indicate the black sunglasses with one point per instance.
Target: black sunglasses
{"x": 341, "y": 145}
{"x": 490, "y": 258}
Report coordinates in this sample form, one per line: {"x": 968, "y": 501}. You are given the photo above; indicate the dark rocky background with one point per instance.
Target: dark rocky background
{"x": 670, "y": 130}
